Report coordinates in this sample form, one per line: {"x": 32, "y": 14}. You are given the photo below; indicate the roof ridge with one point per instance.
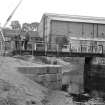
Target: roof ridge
{"x": 75, "y": 16}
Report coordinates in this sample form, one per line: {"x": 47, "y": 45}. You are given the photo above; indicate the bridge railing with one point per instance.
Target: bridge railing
{"x": 42, "y": 46}
{"x": 84, "y": 48}
{"x": 69, "y": 48}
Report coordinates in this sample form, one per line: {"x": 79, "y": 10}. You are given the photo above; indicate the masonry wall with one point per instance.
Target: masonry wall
{"x": 48, "y": 76}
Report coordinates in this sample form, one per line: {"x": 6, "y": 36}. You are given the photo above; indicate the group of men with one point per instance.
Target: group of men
{"x": 21, "y": 41}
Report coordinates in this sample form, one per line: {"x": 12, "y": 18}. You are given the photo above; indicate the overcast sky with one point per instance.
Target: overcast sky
{"x": 32, "y": 10}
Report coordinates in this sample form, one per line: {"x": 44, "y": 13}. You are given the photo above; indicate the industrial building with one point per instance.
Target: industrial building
{"x": 52, "y": 25}
{"x": 56, "y": 26}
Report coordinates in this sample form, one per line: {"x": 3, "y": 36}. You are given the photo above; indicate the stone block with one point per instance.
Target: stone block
{"x": 42, "y": 70}
{"x": 28, "y": 70}
{"x": 33, "y": 70}
{"x": 51, "y": 77}
{"x": 53, "y": 70}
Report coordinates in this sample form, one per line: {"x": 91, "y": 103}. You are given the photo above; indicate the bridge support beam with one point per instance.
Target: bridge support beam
{"x": 94, "y": 76}
{"x": 87, "y": 65}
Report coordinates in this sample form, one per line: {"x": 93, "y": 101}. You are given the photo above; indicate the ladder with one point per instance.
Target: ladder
{"x": 2, "y": 38}
{"x": 2, "y": 43}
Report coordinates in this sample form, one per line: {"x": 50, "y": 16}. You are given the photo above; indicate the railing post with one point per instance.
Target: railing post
{"x": 70, "y": 47}
{"x": 35, "y": 46}
{"x": 102, "y": 49}
{"x": 32, "y": 48}
{"x": 45, "y": 49}
{"x": 57, "y": 48}
{"x": 92, "y": 49}
{"x": 20, "y": 47}
{"x": 81, "y": 48}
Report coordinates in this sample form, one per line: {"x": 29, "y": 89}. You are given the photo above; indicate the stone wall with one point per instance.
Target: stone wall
{"x": 49, "y": 76}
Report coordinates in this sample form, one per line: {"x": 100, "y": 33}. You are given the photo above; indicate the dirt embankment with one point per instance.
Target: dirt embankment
{"x": 16, "y": 89}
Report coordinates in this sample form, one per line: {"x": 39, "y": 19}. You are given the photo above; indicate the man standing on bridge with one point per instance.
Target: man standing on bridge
{"x": 17, "y": 42}
{"x": 26, "y": 40}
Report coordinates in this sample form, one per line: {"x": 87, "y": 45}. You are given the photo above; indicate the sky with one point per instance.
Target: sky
{"x": 32, "y": 10}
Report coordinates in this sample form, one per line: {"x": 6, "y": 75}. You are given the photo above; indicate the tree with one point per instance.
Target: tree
{"x": 25, "y": 27}
{"x": 15, "y": 25}
{"x": 34, "y": 26}
{"x": 30, "y": 27}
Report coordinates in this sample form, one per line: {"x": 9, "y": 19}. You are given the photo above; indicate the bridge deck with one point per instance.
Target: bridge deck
{"x": 58, "y": 54}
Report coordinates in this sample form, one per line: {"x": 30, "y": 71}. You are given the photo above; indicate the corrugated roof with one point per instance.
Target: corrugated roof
{"x": 75, "y": 18}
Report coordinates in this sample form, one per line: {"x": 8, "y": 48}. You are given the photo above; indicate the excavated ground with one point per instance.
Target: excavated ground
{"x": 16, "y": 89}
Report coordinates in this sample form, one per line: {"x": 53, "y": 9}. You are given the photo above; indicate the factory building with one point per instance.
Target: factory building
{"x": 55, "y": 26}
{"x": 52, "y": 25}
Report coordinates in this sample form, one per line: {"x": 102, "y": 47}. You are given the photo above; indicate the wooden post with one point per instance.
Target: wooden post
{"x": 102, "y": 49}
{"x": 35, "y": 46}
{"x": 45, "y": 49}
{"x": 57, "y": 48}
{"x": 32, "y": 48}
{"x": 81, "y": 48}
{"x": 70, "y": 47}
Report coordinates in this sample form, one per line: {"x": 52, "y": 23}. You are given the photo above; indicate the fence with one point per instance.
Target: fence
{"x": 42, "y": 46}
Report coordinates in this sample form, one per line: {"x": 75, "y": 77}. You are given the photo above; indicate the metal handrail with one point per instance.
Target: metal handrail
{"x": 81, "y": 49}
{"x": 96, "y": 47}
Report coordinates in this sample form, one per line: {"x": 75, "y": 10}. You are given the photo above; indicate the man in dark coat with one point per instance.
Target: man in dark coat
{"x": 17, "y": 42}
{"x": 27, "y": 37}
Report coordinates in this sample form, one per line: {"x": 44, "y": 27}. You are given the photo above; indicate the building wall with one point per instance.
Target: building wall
{"x": 101, "y": 31}
{"x": 41, "y": 27}
{"x": 76, "y": 29}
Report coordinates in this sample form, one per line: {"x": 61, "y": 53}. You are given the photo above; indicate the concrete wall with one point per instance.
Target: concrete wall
{"x": 74, "y": 75}
{"x": 74, "y": 78}
{"x": 48, "y": 76}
